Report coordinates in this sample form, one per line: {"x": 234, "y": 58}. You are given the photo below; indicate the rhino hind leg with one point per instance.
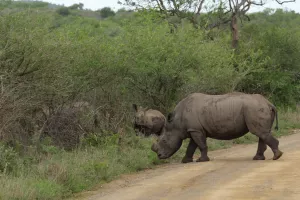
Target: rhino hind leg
{"x": 260, "y": 124}
{"x": 273, "y": 143}
{"x": 190, "y": 152}
{"x": 200, "y": 140}
{"x": 262, "y": 147}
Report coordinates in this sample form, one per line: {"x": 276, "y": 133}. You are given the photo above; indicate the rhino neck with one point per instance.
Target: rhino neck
{"x": 173, "y": 148}
{"x": 176, "y": 148}
{"x": 175, "y": 142}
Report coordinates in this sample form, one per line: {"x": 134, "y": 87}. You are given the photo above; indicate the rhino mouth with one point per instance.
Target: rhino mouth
{"x": 160, "y": 156}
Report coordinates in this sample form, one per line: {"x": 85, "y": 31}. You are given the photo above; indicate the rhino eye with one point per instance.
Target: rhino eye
{"x": 164, "y": 141}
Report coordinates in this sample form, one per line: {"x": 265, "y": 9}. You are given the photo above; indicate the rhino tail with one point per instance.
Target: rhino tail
{"x": 276, "y": 127}
{"x": 276, "y": 116}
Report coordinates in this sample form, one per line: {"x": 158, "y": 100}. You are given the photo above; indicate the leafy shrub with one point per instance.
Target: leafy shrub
{"x": 106, "y": 12}
{"x": 8, "y": 159}
{"x": 277, "y": 76}
{"x": 52, "y": 62}
{"x": 64, "y": 11}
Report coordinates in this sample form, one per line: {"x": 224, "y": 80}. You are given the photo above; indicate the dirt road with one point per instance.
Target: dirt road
{"x": 231, "y": 174}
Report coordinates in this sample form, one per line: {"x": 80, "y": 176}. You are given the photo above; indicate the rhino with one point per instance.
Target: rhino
{"x": 148, "y": 121}
{"x": 223, "y": 117}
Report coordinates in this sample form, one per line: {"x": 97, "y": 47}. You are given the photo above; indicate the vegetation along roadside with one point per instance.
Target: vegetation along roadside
{"x": 69, "y": 77}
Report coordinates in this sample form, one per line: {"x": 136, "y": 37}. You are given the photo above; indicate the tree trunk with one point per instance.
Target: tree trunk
{"x": 234, "y": 30}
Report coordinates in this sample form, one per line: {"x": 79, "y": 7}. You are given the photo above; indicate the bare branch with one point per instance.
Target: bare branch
{"x": 241, "y": 4}
{"x": 246, "y": 7}
{"x": 282, "y": 2}
{"x": 241, "y": 21}
{"x": 225, "y": 13}
{"x": 200, "y": 7}
{"x": 175, "y": 6}
{"x": 236, "y": 2}
{"x": 162, "y": 5}
{"x": 158, "y": 4}
{"x": 230, "y": 6}
{"x": 233, "y": 5}
{"x": 247, "y": 17}
{"x": 257, "y": 3}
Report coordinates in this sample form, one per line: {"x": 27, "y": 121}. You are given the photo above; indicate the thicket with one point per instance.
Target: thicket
{"x": 67, "y": 82}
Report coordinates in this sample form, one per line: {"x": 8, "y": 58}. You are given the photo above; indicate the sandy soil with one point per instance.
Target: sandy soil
{"x": 230, "y": 175}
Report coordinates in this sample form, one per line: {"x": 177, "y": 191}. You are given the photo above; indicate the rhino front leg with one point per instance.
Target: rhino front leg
{"x": 189, "y": 152}
{"x": 200, "y": 140}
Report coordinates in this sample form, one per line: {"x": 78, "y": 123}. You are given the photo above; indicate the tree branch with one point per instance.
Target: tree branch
{"x": 241, "y": 4}
{"x": 246, "y": 7}
{"x": 162, "y": 5}
{"x": 175, "y": 6}
{"x": 230, "y": 6}
{"x": 200, "y": 7}
{"x": 282, "y": 2}
{"x": 158, "y": 4}
{"x": 247, "y": 17}
{"x": 232, "y": 3}
{"x": 257, "y": 4}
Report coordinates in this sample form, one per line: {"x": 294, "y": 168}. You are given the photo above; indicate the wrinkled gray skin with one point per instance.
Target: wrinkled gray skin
{"x": 222, "y": 117}
{"x": 148, "y": 121}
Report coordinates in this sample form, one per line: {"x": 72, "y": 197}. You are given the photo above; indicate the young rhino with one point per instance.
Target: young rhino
{"x": 148, "y": 121}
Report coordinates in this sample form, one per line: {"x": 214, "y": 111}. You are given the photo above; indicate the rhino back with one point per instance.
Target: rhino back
{"x": 153, "y": 117}
{"x": 220, "y": 116}
{"x": 225, "y": 116}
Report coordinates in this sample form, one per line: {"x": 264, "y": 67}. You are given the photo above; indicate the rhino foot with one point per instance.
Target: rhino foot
{"x": 259, "y": 157}
{"x": 186, "y": 160}
{"x": 203, "y": 159}
{"x": 277, "y": 155}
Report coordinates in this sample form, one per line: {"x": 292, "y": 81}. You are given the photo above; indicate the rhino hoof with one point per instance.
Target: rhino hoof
{"x": 186, "y": 160}
{"x": 277, "y": 155}
{"x": 203, "y": 159}
{"x": 258, "y": 157}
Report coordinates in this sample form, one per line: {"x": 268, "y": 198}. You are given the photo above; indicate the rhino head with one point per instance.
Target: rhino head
{"x": 148, "y": 121}
{"x": 139, "y": 123}
{"x": 171, "y": 139}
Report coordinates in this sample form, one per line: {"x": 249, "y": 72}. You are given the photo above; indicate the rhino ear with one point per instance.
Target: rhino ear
{"x": 135, "y": 107}
{"x": 170, "y": 117}
{"x": 146, "y": 108}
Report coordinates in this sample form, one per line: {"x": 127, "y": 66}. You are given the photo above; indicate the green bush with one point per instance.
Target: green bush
{"x": 68, "y": 82}
{"x": 106, "y": 12}
{"x": 63, "y": 11}
{"x": 8, "y": 159}
{"x": 278, "y": 47}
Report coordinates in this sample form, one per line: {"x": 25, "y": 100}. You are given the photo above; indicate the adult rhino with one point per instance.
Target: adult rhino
{"x": 148, "y": 121}
{"x": 223, "y": 117}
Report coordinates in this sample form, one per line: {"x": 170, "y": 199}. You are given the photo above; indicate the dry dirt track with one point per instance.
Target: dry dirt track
{"x": 230, "y": 175}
